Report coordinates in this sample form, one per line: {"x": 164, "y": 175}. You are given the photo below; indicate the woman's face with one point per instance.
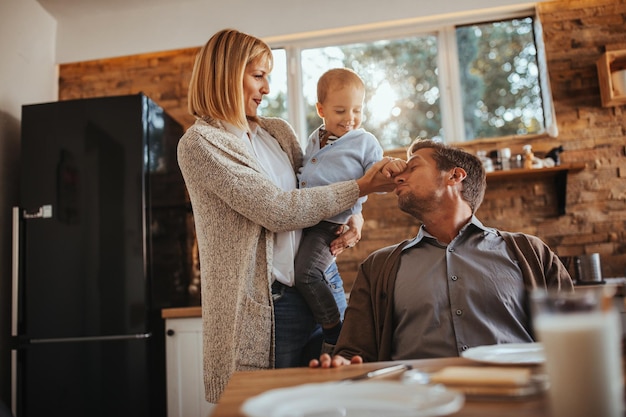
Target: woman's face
{"x": 255, "y": 84}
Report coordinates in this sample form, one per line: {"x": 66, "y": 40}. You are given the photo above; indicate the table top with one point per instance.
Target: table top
{"x": 244, "y": 385}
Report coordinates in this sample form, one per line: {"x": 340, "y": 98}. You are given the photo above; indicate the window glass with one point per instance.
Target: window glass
{"x": 401, "y": 82}
{"x": 499, "y": 79}
{"x": 478, "y": 80}
{"x": 275, "y": 103}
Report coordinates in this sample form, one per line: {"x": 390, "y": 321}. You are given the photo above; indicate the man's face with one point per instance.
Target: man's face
{"x": 420, "y": 187}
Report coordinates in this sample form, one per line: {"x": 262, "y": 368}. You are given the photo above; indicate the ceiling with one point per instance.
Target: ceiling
{"x": 62, "y": 9}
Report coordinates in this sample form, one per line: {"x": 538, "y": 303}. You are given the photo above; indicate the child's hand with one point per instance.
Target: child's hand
{"x": 379, "y": 178}
{"x": 394, "y": 167}
{"x": 349, "y": 235}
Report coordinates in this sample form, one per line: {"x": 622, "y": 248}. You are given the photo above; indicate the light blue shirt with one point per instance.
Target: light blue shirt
{"x": 450, "y": 297}
{"x": 346, "y": 158}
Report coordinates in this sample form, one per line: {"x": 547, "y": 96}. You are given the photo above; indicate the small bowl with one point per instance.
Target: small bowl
{"x": 619, "y": 82}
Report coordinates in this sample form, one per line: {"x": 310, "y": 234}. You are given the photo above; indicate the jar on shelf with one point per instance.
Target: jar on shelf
{"x": 528, "y": 156}
{"x": 487, "y": 162}
{"x": 517, "y": 161}
{"x": 505, "y": 157}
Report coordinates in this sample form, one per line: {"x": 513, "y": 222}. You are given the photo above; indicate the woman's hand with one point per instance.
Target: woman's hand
{"x": 379, "y": 178}
{"x": 349, "y": 234}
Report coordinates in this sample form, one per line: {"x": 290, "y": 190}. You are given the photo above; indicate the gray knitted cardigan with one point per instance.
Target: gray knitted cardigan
{"x": 237, "y": 210}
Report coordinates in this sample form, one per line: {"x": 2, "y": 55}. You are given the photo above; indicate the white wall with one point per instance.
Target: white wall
{"x": 189, "y": 23}
{"x": 28, "y": 74}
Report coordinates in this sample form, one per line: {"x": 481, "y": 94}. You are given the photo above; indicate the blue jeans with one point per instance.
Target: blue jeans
{"x": 298, "y": 336}
{"x": 312, "y": 262}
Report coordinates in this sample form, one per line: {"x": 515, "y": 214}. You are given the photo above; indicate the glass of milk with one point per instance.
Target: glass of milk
{"x": 581, "y": 335}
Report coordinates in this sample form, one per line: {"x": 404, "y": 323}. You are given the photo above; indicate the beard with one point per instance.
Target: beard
{"x": 419, "y": 206}
{"x": 410, "y": 204}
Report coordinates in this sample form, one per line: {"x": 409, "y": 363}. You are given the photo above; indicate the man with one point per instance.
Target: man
{"x": 457, "y": 284}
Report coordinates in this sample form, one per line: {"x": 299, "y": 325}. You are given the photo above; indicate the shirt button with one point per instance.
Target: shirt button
{"x": 464, "y": 347}
{"x": 459, "y": 312}
{"x": 303, "y": 184}
{"x": 313, "y": 160}
{"x": 450, "y": 249}
{"x": 454, "y": 277}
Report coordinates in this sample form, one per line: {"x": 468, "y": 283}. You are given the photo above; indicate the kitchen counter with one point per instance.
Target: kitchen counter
{"x": 196, "y": 311}
{"x": 181, "y": 312}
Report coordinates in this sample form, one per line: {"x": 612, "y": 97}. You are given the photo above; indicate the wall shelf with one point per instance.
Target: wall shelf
{"x": 558, "y": 173}
{"x": 608, "y": 63}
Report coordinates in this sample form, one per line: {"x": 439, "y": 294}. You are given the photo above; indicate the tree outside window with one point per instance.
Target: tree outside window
{"x": 498, "y": 75}
{"x": 499, "y": 79}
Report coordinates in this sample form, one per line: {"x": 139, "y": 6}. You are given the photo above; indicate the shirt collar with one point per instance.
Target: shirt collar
{"x": 474, "y": 222}
{"x": 323, "y": 132}
{"x": 240, "y": 133}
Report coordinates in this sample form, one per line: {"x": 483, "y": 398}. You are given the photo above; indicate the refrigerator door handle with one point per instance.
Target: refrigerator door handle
{"x": 15, "y": 269}
{"x": 14, "y": 382}
{"x": 92, "y": 338}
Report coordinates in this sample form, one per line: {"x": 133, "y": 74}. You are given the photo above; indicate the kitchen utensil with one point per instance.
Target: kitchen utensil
{"x": 378, "y": 373}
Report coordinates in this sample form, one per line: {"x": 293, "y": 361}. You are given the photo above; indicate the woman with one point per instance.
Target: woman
{"x": 240, "y": 171}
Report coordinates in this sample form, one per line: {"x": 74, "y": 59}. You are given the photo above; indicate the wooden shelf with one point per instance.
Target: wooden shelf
{"x": 608, "y": 63}
{"x": 533, "y": 173}
{"x": 558, "y": 173}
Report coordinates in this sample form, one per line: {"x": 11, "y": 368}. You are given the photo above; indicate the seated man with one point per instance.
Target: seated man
{"x": 457, "y": 284}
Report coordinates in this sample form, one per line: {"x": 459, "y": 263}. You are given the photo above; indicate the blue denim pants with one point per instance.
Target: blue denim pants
{"x": 298, "y": 336}
{"x": 312, "y": 262}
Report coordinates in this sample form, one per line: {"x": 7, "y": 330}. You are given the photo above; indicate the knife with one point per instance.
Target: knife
{"x": 379, "y": 373}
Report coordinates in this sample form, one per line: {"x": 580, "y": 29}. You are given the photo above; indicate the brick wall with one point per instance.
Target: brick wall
{"x": 576, "y": 33}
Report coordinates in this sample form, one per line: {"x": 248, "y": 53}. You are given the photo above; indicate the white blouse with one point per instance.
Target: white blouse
{"x": 276, "y": 165}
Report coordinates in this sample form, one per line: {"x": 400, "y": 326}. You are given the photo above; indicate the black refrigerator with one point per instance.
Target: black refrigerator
{"x": 100, "y": 246}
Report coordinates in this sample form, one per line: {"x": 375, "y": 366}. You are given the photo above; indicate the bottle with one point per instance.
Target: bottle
{"x": 505, "y": 156}
{"x": 528, "y": 156}
{"x": 517, "y": 162}
{"x": 487, "y": 162}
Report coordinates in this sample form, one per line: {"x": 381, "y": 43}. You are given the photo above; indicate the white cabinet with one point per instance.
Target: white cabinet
{"x": 185, "y": 386}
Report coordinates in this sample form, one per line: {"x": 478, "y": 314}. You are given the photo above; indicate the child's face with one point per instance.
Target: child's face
{"x": 342, "y": 109}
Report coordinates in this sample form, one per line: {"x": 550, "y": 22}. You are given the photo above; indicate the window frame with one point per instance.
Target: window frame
{"x": 444, "y": 27}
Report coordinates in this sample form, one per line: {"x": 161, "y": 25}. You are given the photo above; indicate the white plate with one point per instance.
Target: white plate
{"x": 507, "y": 354}
{"x": 359, "y": 399}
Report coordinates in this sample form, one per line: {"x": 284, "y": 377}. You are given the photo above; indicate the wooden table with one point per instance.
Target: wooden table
{"x": 244, "y": 385}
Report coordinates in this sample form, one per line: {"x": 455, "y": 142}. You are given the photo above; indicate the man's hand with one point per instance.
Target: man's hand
{"x": 325, "y": 361}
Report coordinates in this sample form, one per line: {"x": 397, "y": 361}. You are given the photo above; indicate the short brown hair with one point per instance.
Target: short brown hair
{"x": 216, "y": 85}
{"x": 448, "y": 157}
{"x": 335, "y": 78}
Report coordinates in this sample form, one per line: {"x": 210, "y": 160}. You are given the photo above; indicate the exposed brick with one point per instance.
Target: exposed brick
{"x": 576, "y": 33}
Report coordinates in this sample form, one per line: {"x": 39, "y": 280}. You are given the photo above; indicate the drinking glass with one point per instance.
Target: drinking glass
{"x": 581, "y": 335}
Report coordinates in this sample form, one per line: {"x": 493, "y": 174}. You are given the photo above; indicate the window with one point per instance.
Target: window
{"x": 499, "y": 79}
{"x": 275, "y": 103}
{"x": 402, "y": 92}
{"x": 453, "y": 82}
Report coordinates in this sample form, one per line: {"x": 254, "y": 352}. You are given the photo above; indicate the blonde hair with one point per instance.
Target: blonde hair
{"x": 216, "y": 85}
{"x": 337, "y": 78}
